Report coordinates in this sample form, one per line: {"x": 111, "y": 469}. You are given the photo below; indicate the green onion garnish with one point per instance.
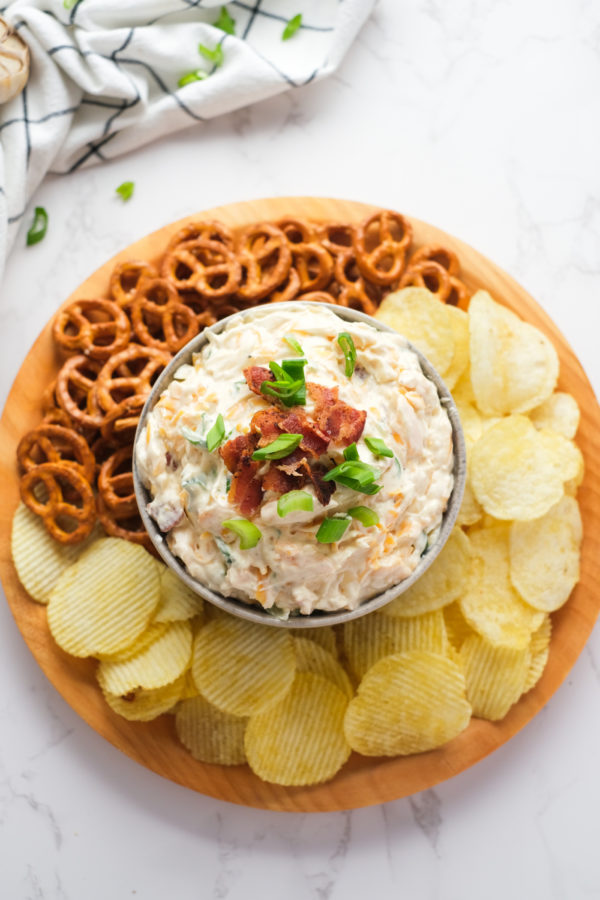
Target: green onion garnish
{"x": 291, "y": 27}
{"x": 377, "y": 446}
{"x": 125, "y": 190}
{"x": 294, "y": 344}
{"x": 351, "y": 452}
{"x": 356, "y": 475}
{"x": 247, "y": 532}
{"x": 331, "y": 530}
{"x": 292, "y": 501}
{"x": 280, "y": 447}
{"x": 347, "y": 344}
{"x": 289, "y": 386}
{"x": 38, "y": 226}
{"x": 193, "y": 437}
{"x": 196, "y": 75}
{"x": 215, "y": 436}
{"x": 225, "y": 22}
{"x": 367, "y": 516}
{"x": 214, "y": 56}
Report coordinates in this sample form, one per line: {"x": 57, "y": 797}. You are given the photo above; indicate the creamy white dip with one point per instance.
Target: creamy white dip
{"x": 288, "y": 569}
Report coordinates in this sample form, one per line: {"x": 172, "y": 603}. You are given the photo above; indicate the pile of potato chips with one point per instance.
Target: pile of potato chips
{"x": 468, "y": 639}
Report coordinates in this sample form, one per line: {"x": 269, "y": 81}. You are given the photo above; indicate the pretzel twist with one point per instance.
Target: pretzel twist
{"x": 115, "y": 486}
{"x": 56, "y": 511}
{"x": 56, "y": 444}
{"x": 159, "y": 318}
{"x": 265, "y": 257}
{"x": 207, "y": 267}
{"x": 75, "y": 383}
{"x": 96, "y": 328}
{"x": 125, "y": 279}
{"x": 381, "y": 244}
{"x": 132, "y": 371}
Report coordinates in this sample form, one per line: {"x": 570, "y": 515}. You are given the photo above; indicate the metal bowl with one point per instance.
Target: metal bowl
{"x": 316, "y": 619}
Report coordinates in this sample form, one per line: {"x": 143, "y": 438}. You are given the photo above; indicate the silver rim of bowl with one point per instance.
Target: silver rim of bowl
{"x": 318, "y": 618}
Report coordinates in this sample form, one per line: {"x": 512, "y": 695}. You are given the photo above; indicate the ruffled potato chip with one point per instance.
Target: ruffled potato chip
{"x": 210, "y": 735}
{"x": 105, "y": 600}
{"x": 324, "y": 636}
{"x": 495, "y": 676}
{"x": 459, "y": 322}
{"x": 242, "y": 668}
{"x": 407, "y": 703}
{"x": 418, "y": 315}
{"x": 142, "y": 705}
{"x": 311, "y": 657}
{"x": 141, "y": 643}
{"x": 300, "y": 740}
{"x": 513, "y": 472}
{"x": 559, "y": 413}
{"x": 177, "y": 601}
{"x": 161, "y": 663}
{"x": 490, "y": 604}
{"x": 514, "y": 367}
{"x": 38, "y": 558}
{"x": 540, "y": 650}
{"x": 544, "y": 556}
{"x": 442, "y": 583}
{"x": 457, "y": 627}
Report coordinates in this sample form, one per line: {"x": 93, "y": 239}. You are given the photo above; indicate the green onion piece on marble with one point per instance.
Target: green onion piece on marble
{"x": 291, "y": 27}
{"x": 125, "y": 190}
{"x": 39, "y": 226}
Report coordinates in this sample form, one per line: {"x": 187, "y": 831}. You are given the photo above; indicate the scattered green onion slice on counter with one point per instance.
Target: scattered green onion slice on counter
{"x": 294, "y": 500}
{"x": 378, "y": 447}
{"x": 331, "y": 530}
{"x": 190, "y": 77}
{"x": 291, "y": 27}
{"x": 214, "y": 56}
{"x": 225, "y": 22}
{"x": 38, "y": 227}
{"x": 351, "y": 452}
{"x": 367, "y": 516}
{"x": 247, "y": 532}
{"x": 347, "y": 344}
{"x": 125, "y": 190}
{"x": 215, "y": 436}
{"x": 280, "y": 447}
{"x": 294, "y": 344}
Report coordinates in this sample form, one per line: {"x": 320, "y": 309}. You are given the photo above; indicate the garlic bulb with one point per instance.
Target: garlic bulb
{"x": 14, "y": 63}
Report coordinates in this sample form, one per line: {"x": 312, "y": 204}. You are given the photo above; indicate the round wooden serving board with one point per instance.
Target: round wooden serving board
{"x": 362, "y": 781}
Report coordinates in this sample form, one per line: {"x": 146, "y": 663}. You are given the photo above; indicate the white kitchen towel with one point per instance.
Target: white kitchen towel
{"x": 104, "y": 76}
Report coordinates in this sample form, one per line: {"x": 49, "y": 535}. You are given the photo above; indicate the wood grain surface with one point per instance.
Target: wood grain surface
{"x": 363, "y": 781}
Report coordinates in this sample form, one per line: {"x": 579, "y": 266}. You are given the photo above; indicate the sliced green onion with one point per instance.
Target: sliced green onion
{"x": 214, "y": 56}
{"x": 247, "y": 532}
{"x": 224, "y": 548}
{"x": 294, "y": 368}
{"x": 294, "y": 344}
{"x": 225, "y": 22}
{"x": 347, "y": 344}
{"x": 294, "y": 500}
{"x": 38, "y": 226}
{"x": 331, "y": 530}
{"x": 377, "y": 446}
{"x": 193, "y": 437}
{"x": 356, "y": 475}
{"x": 125, "y": 190}
{"x": 291, "y": 27}
{"x": 190, "y": 77}
{"x": 367, "y": 516}
{"x": 215, "y": 436}
{"x": 351, "y": 452}
{"x": 291, "y": 393}
{"x": 280, "y": 447}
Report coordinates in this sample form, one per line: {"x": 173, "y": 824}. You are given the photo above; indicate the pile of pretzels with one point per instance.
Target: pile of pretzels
{"x": 76, "y": 466}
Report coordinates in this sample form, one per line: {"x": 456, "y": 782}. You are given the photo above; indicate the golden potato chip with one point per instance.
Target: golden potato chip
{"x": 421, "y": 318}
{"x": 142, "y": 705}
{"x": 311, "y": 657}
{"x": 540, "y": 650}
{"x": 105, "y": 600}
{"x": 189, "y": 687}
{"x": 471, "y": 421}
{"x": 495, "y": 676}
{"x": 462, "y": 391}
{"x": 142, "y": 642}
{"x": 457, "y": 627}
{"x": 441, "y": 584}
{"x": 38, "y": 558}
{"x": 544, "y": 556}
{"x": 162, "y": 662}
{"x": 514, "y": 367}
{"x": 490, "y": 604}
{"x": 407, "y": 703}
{"x": 459, "y": 322}
{"x": 177, "y": 601}
{"x": 243, "y": 668}
{"x": 470, "y": 511}
{"x": 324, "y": 636}
{"x": 512, "y": 471}
{"x": 375, "y": 635}
{"x": 566, "y": 456}
{"x": 210, "y": 735}
{"x": 559, "y": 413}
{"x": 300, "y": 740}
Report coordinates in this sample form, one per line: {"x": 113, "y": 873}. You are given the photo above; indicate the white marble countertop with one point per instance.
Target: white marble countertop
{"x": 480, "y": 117}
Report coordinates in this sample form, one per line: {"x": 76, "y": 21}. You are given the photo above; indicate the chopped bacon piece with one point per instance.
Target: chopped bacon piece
{"x": 323, "y": 489}
{"x": 255, "y": 375}
{"x": 292, "y": 463}
{"x": 233, "y": 451}
{"x": 313, "y": 442}
{"x": 266, "y": 422}
{"x": 246, "y": 490}
{"x": 278, "y": 481}
{"x": 341, "y": 422}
